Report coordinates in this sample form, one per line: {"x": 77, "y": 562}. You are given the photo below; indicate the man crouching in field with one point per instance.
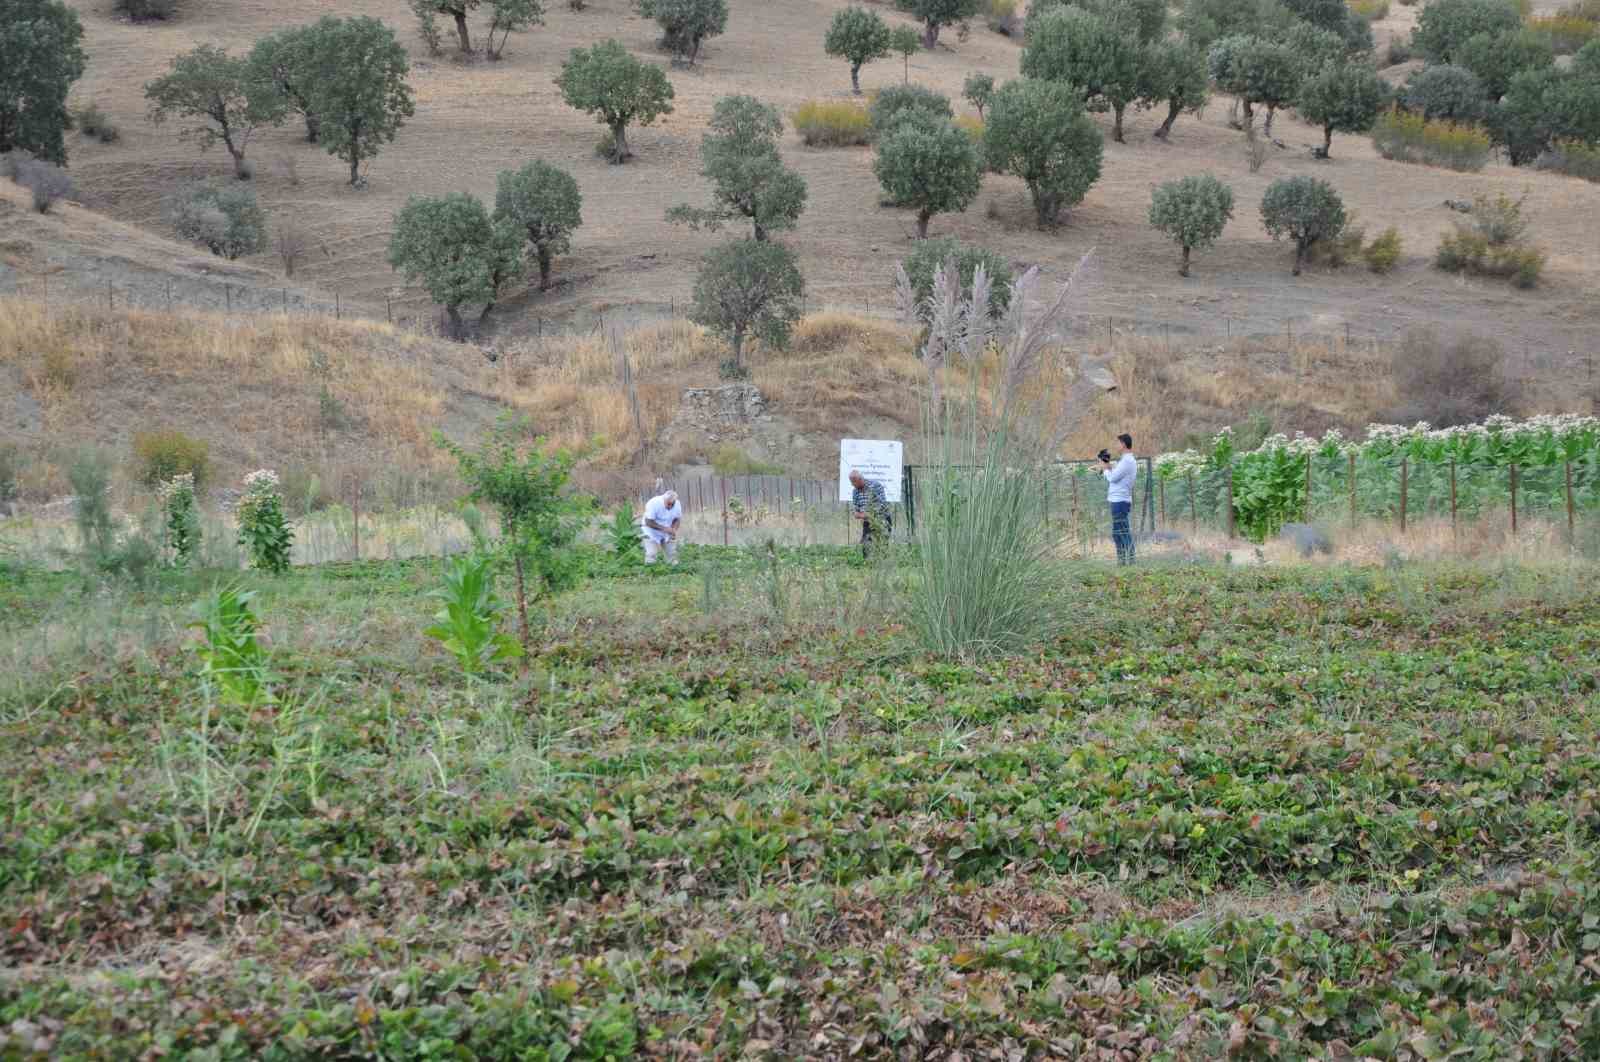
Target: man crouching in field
{"x": 870, "y": 505}
{"x": 662, "y": 515}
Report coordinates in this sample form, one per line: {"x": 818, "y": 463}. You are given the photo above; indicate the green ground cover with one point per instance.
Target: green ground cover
{"x": 734, "y": 810}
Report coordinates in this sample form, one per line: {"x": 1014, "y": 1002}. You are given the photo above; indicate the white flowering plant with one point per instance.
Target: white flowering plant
{"x": 181, "y": 518}
{"x": 263, "y": 530}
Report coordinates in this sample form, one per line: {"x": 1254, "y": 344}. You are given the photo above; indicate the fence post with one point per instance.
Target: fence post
{"x": 911, "y": 498}
{"x": 1572, "y": 536}
{"x": 285, "y": 300}
{"x": 1147, "y": 516}
{"x": 1405, "y": 470}
{"x": 1194, "y": 512}
{"x": 1161, "y": 497}
{"x": 1229, "y": 485}
{"x": 111, "y": 296}
{"x": 388, "y": 309}
{"x": 1513, "y": 499}
{"x": 1352, "y": 456}
{"x": 355, "y": 521}
{"x": 724, "y": 510}
{"x": 1308, "y": 489}
{"x": 1453, "y": 534}
{"x": 227, "y": 293}
{"x": 1076, "y": 526}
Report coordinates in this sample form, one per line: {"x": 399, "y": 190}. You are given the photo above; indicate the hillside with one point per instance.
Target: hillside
{"x": 476, "y": 118}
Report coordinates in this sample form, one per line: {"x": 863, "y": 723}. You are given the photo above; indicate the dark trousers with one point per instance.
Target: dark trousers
{"x": 1120, "y": 532}
{"x": 875, "y": 529}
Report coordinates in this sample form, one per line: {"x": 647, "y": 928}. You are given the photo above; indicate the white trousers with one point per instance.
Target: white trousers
{"x": 653, "y": 549}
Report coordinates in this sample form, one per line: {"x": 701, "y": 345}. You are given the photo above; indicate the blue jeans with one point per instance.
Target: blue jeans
{"x": 1120, "y": 533}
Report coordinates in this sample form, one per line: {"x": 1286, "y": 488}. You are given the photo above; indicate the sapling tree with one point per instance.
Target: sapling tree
{"x": 220, "y": 97}
{"x": 749, "y": 288}
{"x": 545, "y": 203}
{"x": 934, "y": 168}
{"x": 749, "y": 180}
{"x": 903, "y": 41}
{"x": 289, "y": 62}
{"x": 527, "y": 483}
{"x": 1192, "y": 211}
{"x": 978, "y": 90}
{"x": 685, "y": 24}
{"x": 1341, "y": 97}
{"x": 1038, "y": 131}
{"x": 41, "y": 55}
{"x": 510, "y": 16}
{"x": 857, "y": 36}
{"x": 1305, "y": 210}
{"x": 1443, "y": 91}
{"x": 616, "y": 88}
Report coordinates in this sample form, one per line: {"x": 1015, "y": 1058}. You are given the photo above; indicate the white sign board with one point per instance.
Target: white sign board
{"x": 877, "y": 459}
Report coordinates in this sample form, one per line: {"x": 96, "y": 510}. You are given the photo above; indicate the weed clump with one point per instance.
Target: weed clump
{"x": 832, "y": 124}
{"x": 1493, "y": 244}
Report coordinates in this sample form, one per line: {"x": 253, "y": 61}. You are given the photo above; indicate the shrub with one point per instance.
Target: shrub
{"x": 10, "y": 468}
{"x": 1192, "y": 212}
{"x": 1493, "y": 243}
{"x": 929, "y": 255}
{"x": 90, "y": 477}
{"x": 1407, "y": 137}
{"x": 685, "y": 24}
{"x": 1564, "y": 34}
{"x": 1572, "y": 158}
{"x": 891, "y": 104}
{"x": 161, "y": 456}
{"x": 978, "y": 90}
{"x": 46, "y": 182}
{"x": 1384, "y": 251}
{"x": 147, "y": 10}
{"x": 971, "y": 126}
{"x": 1003, "y": 16}
{"x": 1371, "y": 10}
{"x": 1449, "y": 382}
{"x": 263, "y": 529}
{"x": 832, "y": 124}
{"x": 92, "y": 121}
{"x": 1399, "y": 51}
{"x": 1445, "y": 25}
{"x": 1304, "y": 209}
{"x": 225, "y": 218}
{"x": 1445, "y": 92}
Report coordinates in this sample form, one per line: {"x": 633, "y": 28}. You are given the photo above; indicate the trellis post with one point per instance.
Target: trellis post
{"x": 1230, "y": 504}
{"x": 1513, "y": 499}
{"x": 1453, "y": 532}
{"x": 1352, "y": 456}
{"x": 1307, "y": 515}
{"x": 1405, "y": 470}
{"x": 1572, "y": 538}
{"x": 1194, "y": 513}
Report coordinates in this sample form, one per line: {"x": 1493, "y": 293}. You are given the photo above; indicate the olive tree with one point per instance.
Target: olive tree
{"x": 1038, "y": 131}
{"x": 904, "y": 42}
{"x": 1304, "y": 209}
{"x": 545, "y": 204}
{"x": 1445, "y": 25}
{"x": 618, "y": 89}
{"x": 217, "y": 94}
{"x": 41, "y": 55}
{"x": 1259, "y": 72}
{"x": 1175, "y": 74}
{"x": 510, "y": 16}
{"x": 361, "y": 97}
{"x": 748, "y": 177}
{"x": 978, "y": 90}
{"x": 457, "y": 252}
{"x": 1192, "y": 211}
{"x": 1496, "y": 58}
{"x": 749, "y": 288}
{"x": 937, "y": 14}
{"x": 1101, "y": 56}
{"x": 1343, "y": 98}
{"x": 857, "y": 36}
{"x": 1444, "y": 91}
{"x": 929, "y": 166}
{"x": 685, "y": 24}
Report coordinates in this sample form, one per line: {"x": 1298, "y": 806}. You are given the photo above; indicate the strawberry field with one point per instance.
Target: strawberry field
{"x": 732, "y": 810}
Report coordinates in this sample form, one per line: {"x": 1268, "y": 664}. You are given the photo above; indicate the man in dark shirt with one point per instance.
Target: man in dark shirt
{"x": 870, "y": 505}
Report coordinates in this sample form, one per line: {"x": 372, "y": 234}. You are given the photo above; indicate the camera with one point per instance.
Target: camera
{"x": 1105, "y": 455}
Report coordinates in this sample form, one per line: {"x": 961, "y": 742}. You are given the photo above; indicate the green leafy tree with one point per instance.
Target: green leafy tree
{"x": 456, "y": 251}
{"x": 905, "y": 42}
{"x": 930, "y": 255}
{"x": 1304, "y": 209}
{"x": 749, "y": 180}
{"x": 932, "y": 168}
{"x": 978, "y": 90}
{"x": 544, "y": 202}
{"x": 510, "y": 16}
{"x": 1544, "y": 106}
{"x": 361, "y": 97}
{"x": 612, "y": 85}
{"x": 1586, "y": 64}
{"x": 937, "y": 14}
{"x": 1496, "y": 58}
{"x": 1147, "y": 18}
{"x": 1204, "y": 22}
{"x": 1445, "y": 25}
{"x": 1038, "y": 131}
{"x": 540, "y": 515}
{"x": 458, "y": 10}
{"x": 288, "y": 62}
{"x": 1099, "y": 56}
{"x": 1193, "y": 212}
{"x": 686, "y": 24}
{"x": 1335, "y": 17}
{"x": 41, "y": 55}
{"x": 1342, "y": 98}
{"x": 1175, "y": 74}
{"x": 1446, "y": 92}
{"x": 217, "y": 94}
{"x": 1259, "y": 72}
{"x": 1314, "y": 47}
{"x": 857, "y": 36}
{"x": 749, "y": 288}
{"x": 902, "y": 101}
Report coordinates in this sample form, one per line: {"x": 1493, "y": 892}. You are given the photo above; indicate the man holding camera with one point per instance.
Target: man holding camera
{"x": 1120, "y": 478}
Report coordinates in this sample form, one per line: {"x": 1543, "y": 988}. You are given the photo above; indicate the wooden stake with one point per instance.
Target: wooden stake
{"x": 1194, "y": 514}
{"x": 1453, "y": 533}
{"x": 1513, "y": 500}
{"x": 1352, "y": 457}
{"x": 1308, "y": 489}
{"x": 1231, "y": 527}
{"x": 1405, "y": 469}
{"x": 1571, "y": 527}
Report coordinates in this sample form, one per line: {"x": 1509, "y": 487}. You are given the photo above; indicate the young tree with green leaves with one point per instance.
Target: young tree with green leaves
{"x": 545, "y": 203}
{"x": 528, "y": 485}
{"x": 1305, "y": 210}
{"x": 937, "y": 14}
{"x": 978, "y": 90}
{"x": 1038, "y": 131}
{"x": 215, "y": 91}
{"x": 457, "y": 252}
{"x": 1204, "y": 22}
{"x": 1343, "y": 98}
{"x": 1445, "y": 25}
{"x": 685, "y": 24}
{"x": 905, "y": 42}
{"x": 1496, "y": 58}
{"x": 458, "y": 10}
{"x": 749, "y": 288}
{"x": 857, "y": 36}
{"x": 41, "y": 55}
{"x": 749, "y": 180}
{"x": 360, "y": 97}
{"x": 1100, "y": 57}
{"x": 287, "y": 61}
{"x": 510, "y": 16}
{"x": 934, "y": 168}
{"x": 1259, "y": 72}
{"x": 1443, "y": 91}
{"x": 618, "y": 89}
{"x": 1175, "y": 74}
{"x": 1192, "y": 211}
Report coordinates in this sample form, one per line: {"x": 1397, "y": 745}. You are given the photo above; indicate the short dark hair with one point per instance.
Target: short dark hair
{"x": 1126, "y": 440}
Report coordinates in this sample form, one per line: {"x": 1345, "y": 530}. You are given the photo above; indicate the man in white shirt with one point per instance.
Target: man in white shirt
{"x": 659, "y": 528}
{"x": 1119, "y": 492}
